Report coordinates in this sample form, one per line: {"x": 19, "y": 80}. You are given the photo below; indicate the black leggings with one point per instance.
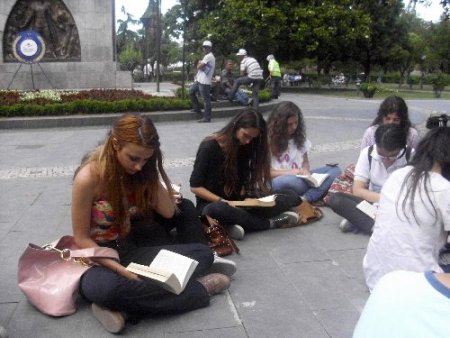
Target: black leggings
{"x": 251, "y": 218}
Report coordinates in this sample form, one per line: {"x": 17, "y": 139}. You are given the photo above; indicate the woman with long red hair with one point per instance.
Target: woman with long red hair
{"x": 119, "y": 182}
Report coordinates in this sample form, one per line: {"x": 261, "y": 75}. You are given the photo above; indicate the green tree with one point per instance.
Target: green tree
{"x": 125, "y": 36}
{"x": 328, "y": 32}
{"x": 130, "y": 57}
{"x": 386, "y": 30}
{"x": 439, "y": 39}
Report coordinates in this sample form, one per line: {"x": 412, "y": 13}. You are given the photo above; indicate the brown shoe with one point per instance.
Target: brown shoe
{"x": 214, "y": 283}
{"x": 112, "y": 321}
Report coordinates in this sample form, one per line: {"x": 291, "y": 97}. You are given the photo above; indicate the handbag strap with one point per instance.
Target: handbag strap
{"x": 73, "y": 252}
{"x": 95, "y": 252}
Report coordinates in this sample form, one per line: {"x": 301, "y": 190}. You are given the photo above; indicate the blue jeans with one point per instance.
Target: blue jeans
{"x": 256, "y": 83}
{"x": 204, "y": 91}
{"x": 302, "y": 188}
{"x": 240, "y": 96}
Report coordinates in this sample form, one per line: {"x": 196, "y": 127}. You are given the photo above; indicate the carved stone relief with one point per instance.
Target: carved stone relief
{"x": 52, "y": 20}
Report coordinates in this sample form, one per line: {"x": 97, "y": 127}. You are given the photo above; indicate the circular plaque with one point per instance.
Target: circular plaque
{"x": 29, "y": 47}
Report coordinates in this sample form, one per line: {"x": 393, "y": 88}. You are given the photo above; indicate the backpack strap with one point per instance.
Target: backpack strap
{"x": 369, "y": 156}
{"x": 407, "y": 154}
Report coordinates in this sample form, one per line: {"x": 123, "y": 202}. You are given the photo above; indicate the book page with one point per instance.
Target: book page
{"x": 319, "y": 178}
{"x": 145, "y": 271}
{"x": 314, "y": 179}
{"x": 267, "y": 201}
{"x": 367, "y": 208}
{"x": 181, "y": 266}
{"x": 176, "y": 187}
{"x": 162, "y": 278}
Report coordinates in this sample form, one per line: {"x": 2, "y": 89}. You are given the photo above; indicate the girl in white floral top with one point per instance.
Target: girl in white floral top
{"x": 289, "y": 149}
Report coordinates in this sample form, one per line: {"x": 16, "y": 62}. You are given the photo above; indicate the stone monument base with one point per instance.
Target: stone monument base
{"x": 67, "y": 75}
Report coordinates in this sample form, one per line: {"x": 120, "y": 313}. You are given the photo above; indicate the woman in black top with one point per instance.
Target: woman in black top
{"x": 233, "y": 164}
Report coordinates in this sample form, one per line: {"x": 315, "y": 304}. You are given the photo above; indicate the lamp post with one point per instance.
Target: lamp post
{"x": 158, "y": 42}
{"x": 183, "y": 70}
{"x": 146, "y": 20}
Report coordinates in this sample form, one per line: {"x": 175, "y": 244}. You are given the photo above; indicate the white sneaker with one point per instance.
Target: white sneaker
{"x": 112, "y": 321}
{"x": 224, "y": 266}
{"x": 236, "y": 232}
{"x": 345, "y": 226}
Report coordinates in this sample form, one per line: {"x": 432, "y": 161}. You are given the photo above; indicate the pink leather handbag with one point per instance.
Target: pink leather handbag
{"x": 49, "y": 276}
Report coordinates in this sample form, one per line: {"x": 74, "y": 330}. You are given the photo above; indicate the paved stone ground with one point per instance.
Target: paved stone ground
{"x": 299, "y": 282}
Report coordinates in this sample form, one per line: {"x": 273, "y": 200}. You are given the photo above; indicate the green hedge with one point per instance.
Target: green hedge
{"x": 89, "y": 106}
{"x": 93, "y": 107}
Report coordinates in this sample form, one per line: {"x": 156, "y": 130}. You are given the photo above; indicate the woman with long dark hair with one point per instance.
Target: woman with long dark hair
{"x": 413, "y": 217}
{"x": 393, "y": 110}
{"x": 233, "y": 164}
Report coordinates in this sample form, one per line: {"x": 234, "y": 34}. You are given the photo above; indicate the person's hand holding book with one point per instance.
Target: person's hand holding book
{"x": 301, "y": 171}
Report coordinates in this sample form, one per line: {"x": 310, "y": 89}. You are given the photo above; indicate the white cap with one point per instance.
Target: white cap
{"x": 270, "y": 57}
{"x": 241, "y": 52}
{"x": 207, "y": 43}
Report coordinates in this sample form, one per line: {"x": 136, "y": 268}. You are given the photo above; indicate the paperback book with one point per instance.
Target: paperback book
{"x": 315, "y": 180}
{"x": 170, "y": 270}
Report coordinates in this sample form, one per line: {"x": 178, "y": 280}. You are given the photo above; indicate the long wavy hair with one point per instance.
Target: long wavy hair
{"x": 278, "y": 127}
{"x": 432, "y": 149}
{"x": 117, "y": 184}
{"x": 256, "y": 151}
{"x": 393, "y": 104}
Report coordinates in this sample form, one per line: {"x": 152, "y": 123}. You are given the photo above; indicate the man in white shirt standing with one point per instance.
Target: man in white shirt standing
{"x": 202, "y": 82}
{"x": 251, "y": 73}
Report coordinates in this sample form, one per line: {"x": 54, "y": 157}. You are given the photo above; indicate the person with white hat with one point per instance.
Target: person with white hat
{"x": 275, "y": 76}
{"x": 202, "y": 82}
{"x": 251, "y": 73}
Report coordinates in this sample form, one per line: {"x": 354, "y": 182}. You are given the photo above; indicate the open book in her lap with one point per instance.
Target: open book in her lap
{"x": 267, "y": 201}
{"x": 314, "y": 180}
{"x": 169, "y": 270}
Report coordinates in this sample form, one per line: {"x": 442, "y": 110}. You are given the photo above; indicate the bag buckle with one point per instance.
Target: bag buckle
{"x": 64, "y": 253}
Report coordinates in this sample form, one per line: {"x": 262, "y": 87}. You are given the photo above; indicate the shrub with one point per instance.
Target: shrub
{"x": 439, "y": 82}
{"x": 181, "y": 93}
{"x": 95, "y": 101}
{"x": 265, "y": 95}
{"x": 9, "y": 97}
{"x": 130, "y": 57}
{"x": 368, "y": 89}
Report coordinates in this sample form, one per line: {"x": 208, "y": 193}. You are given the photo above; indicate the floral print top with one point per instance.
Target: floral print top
{"x": 292, "y": 157}
{"x": 103, "y": 228}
